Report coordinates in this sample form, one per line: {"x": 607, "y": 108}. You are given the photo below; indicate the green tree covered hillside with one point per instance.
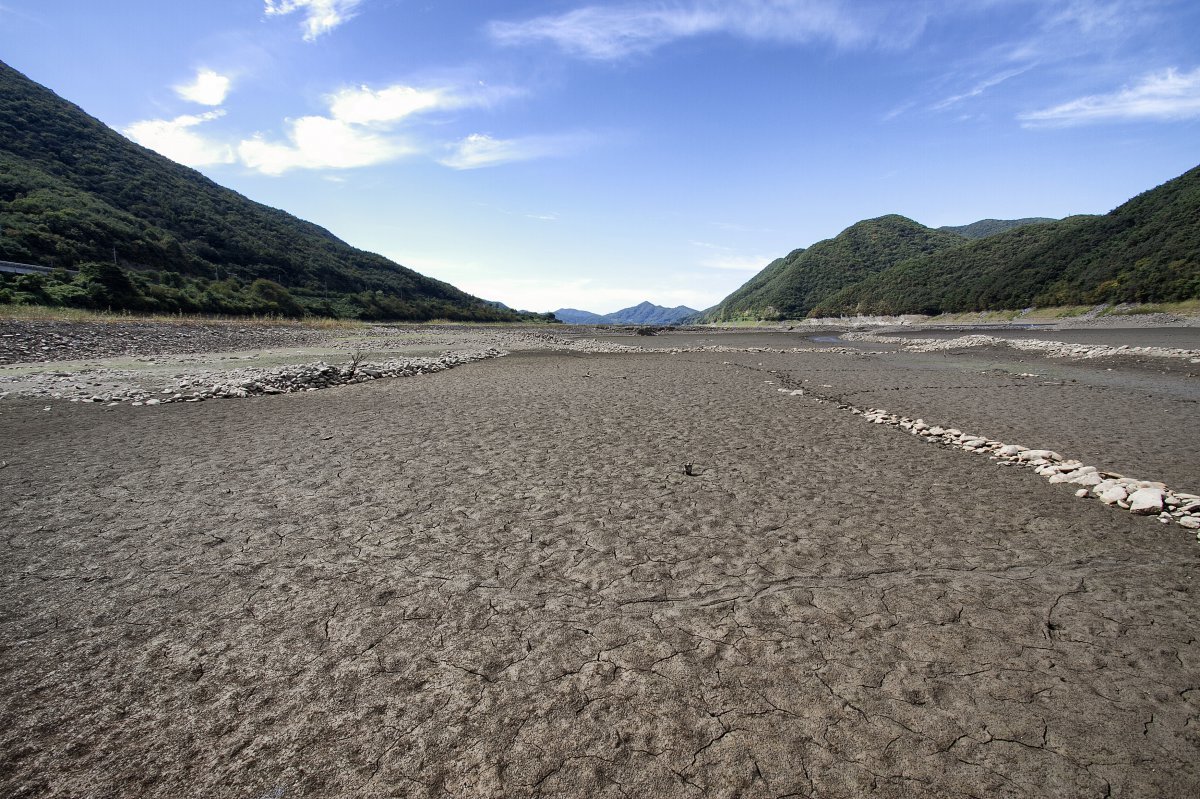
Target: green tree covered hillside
{"x": 1146, "y": 250}
{"x": 72, "y": 190}
{"x": 794, "y": 286}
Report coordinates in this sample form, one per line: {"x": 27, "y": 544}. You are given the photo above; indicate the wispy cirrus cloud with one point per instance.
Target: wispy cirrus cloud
{"x": 1163, "y": 96}
{"x": 735, "y": 263}
{"x": 207, "y": 88}
{"x": 363, "y": 105}
{"x": 482, "y": 150}
{"x": 727, "y": 259}
{"x": 605, "y": 32}
{"x": 177, "y": 139}
{"x": 980, "y": 87}
{"x": 320, "y": 16}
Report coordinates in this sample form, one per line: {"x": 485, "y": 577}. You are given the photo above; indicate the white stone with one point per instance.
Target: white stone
{"x": 1011, "y": 449}
{"x": 1039, "y": 454}
{"x": 1190, "y": 522}
{"x": 1081, "y": 493}
{"x": 1146, "y": 501}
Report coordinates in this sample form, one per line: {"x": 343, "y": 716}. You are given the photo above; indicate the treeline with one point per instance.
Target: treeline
{"x": 106, "y": 287}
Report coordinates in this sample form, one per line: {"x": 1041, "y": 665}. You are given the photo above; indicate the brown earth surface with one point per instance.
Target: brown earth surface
{"x": 498, "y": 581}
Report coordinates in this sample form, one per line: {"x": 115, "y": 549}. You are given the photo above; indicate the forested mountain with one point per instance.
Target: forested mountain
{"x": 1147, "y": 250}
{"x": 73, "y": 192}
{"x": 990, "y": 227}
{"x": 645, "y": 313}
{"x": 796, "y": 285}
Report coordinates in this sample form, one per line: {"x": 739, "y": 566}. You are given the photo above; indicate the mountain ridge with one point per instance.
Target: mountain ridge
{"x": 983, "y": 228}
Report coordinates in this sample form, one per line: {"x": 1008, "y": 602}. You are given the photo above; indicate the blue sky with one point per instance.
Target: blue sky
{"x": 548, "y": 153}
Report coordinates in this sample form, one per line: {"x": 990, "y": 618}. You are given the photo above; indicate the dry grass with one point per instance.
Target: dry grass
{"x": 1184, "y": 308}
{"x": 48, "y": 314}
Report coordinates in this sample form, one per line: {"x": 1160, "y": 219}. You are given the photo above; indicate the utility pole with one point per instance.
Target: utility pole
{"x": 114, "y": 255}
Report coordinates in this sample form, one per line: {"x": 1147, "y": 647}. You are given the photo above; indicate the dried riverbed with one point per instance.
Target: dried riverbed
{"x": 497, "y": 579}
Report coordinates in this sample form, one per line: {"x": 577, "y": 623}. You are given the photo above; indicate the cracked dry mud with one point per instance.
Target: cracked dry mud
{"x": 497, "y": 581}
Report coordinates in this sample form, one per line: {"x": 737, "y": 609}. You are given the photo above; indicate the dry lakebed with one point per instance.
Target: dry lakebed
{"x": 268, "y": 562}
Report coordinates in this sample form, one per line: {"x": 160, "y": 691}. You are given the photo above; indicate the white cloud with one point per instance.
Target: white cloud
{"x": 480, "y": 150}
{"x": 361, "y": 130}
{"x": 175, "y": 139}
{"x": 611, "y": 32}
{"x": 363, "y": 105}
{"x": 208, "y": 88}
{"x": 315, "y": 142}
{"x": 1166, "y": 95}
{"x": 320, "y": 16}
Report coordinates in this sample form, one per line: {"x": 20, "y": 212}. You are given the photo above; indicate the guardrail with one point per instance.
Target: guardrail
{"x": 14, "y": 268}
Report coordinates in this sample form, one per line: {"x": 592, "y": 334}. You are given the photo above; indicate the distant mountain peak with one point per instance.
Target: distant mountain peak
{"x": 644, "y": 313}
